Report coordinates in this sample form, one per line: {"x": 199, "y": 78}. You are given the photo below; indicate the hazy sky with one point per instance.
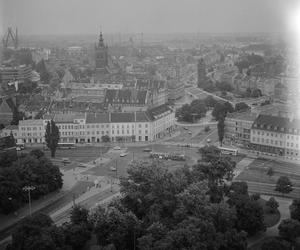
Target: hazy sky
{"x": 148, "y": 16}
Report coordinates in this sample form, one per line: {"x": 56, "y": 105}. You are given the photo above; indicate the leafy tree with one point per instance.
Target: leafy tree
{"x": 284, "y": 185}
{"x": 105, "y": 138}
{"x": 275, "y": 244}
{"x": 184, "y": 113}
{"x": 206, "y": 129}
{"x": 255, "y": 197}
{"x": 117, "y": 227}
{"x": 272, "y": 205}
{"x": 210, "y": 101}
{"x": 295, "y": 209}
{"x": 241, "y": 106}
{"x": 76, "y": 235}
{"x": 289, "y": 229}
{"x": 221, "y": 109}
{"x": 37, "y": 153}
{"x": 221, "y": 127}
{"x": 250, "y": 216}
{"x": 79, "y": 215}
{"x": 192, "y": 233}
{"x": 234, "y": 240}
{"x": 52, "y": 137}
{"x": 37, "y": 232}
{"x": 224, "y": 86}
{"x": 270, "y": 172}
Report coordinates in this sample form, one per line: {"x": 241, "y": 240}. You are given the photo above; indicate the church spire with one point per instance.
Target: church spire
{"x": 101, "y": 42}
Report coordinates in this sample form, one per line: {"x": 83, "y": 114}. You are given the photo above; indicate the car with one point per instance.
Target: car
{"x": 117, "y": 148}
{"x": 208, "y": 140}
{"x": 147, "y": 149}
{"x": 111, "y": 168}
{"x": 190, "y": 132}
{"x": 185, "y": 128}
{"x": 66, "y": 160}
{"x": 18, "y": 149}
{"x": 82, "y": 165}
{"x": 123, "y": 154}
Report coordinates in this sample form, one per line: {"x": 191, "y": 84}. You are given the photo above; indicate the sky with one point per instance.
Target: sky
{"x": 40, "y": 17}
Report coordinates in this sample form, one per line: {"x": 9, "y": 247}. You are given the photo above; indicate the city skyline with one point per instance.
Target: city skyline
{"x": 192, "y": 16}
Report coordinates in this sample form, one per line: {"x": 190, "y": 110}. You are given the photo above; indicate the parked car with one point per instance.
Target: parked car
{"x": 123, "y": 154}
{"x": 147, "y": 149}
{"x": 66, "y": 160}
{"x": 117, "y": 148}
{"x": 112, "y": 168}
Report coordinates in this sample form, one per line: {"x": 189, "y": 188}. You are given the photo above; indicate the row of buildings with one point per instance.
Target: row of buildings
{"x": 92, "y": 127}
{"x": 275, "y": 131}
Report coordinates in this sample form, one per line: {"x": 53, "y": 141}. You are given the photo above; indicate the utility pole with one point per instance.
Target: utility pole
{"x": 28, "y": 189}
{"x": 116, "y": 168}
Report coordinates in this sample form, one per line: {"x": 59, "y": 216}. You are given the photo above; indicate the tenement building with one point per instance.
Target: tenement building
{"x": 276, "y": 135}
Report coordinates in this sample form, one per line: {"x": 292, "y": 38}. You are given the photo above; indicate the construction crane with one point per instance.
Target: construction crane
{"x": 10, "y": 35}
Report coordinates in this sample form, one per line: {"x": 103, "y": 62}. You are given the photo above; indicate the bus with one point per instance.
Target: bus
{"x": 66, "y": 145}
{"x": 228, "y": 151}
{"x": 158, "y": 155}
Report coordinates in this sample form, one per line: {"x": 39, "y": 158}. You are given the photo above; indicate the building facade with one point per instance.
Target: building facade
{"x": 140, "y": 126}
{"x": 276, "y": 135}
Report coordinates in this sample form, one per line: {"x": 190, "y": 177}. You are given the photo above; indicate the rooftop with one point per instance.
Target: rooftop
{"x": 277, "y": 124}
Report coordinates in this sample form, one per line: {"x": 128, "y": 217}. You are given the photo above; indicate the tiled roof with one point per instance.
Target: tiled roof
{"x": 97, "y": 118}
{"x": 31, "y": 122}
{"x": 122, "y": 117}
{"x": 246, "y": 116}
{"x": 12, "y": 127}
{"x": 159, "y": 110}
{"x": 277, "y": 124}
{"x": 125, "y": 96}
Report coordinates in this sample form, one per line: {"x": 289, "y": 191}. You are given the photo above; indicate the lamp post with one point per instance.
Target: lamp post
{"x": 28, "y": 189}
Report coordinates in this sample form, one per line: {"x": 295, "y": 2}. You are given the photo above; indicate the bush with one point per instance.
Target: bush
{"x": 255, "y": 197}
{"x": 272, "y": 205}
{"x": 207, "y": 128}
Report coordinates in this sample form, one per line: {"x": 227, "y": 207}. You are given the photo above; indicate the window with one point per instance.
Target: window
{"x": 146, "y": 125}
{"x": 140, "y": 125}
{"x": 287, "y": 144}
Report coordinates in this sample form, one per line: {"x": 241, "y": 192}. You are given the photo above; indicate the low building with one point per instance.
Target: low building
{"x": 276, "y": 135}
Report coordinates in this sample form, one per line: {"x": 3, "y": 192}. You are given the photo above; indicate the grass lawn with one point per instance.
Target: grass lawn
{"x": 257, "y": 174}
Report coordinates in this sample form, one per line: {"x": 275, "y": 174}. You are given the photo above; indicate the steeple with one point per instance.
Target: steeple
{"x": 101, "y": 42}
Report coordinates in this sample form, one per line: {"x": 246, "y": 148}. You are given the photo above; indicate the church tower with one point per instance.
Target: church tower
{"x": 101, "y": 53}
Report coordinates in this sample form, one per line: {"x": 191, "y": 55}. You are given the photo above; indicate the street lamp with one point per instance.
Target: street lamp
{"x": 28, "y": 189}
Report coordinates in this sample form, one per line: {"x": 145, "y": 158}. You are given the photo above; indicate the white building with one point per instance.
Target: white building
{"x": 91, "y": 127}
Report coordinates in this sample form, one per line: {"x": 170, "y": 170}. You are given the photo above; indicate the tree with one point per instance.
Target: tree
{"x": 284, "y": 185}
{"x": 295, "y": 209}
{"x": 184, "y": 113}
{"x": 37, "y": 153}
{"x": 270, "y": 172}
{"x": 289, "y": 229}
{"x": 76, "y": 235}
{"x": 221, "y": 126}
{"x": 37, "y": 232}
{"x": 241, "y": 106}
{"x": 221, "y": 109}
{"x": 206, "y": 129}
{"x": 52, "y": 137}
{"x": 250, "y": 216}
{"x": 79, "y": 215}
{"x": 275, "y": 244}
{"x": 105, "y": 138}
{"x": 272, "y": 205}
{"x": 210, "y": 101}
